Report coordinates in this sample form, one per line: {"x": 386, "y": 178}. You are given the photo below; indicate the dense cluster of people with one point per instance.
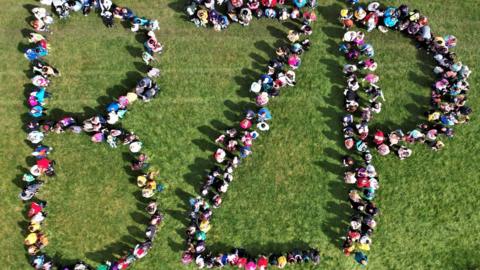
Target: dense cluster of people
{"x": 206, "y": 12}
{"x": 100, "y": 127}
{"x": 234, "y": 145}
{"x": 447, "y": 106}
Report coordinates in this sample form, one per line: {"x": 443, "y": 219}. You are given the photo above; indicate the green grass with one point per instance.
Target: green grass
{"x": 289, "y": 192}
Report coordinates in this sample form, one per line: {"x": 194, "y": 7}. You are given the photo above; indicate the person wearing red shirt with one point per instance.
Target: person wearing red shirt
{"x": 242, "y": 261}
{"x": 262, "y": 263}
{"x": 35, "y": 208}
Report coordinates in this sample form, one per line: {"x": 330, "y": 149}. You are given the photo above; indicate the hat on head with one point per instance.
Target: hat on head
{"x": 373, "y": 6}
{"x": 360, "y": 13}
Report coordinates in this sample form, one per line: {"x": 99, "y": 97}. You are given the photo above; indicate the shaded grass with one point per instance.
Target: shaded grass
{"x": 289, "y": 193}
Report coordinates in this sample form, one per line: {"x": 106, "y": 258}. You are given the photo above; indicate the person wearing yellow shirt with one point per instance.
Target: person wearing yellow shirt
{"x": 205, "y": 226}
{"x": 31, "y": 239}
{"x": 362, "y": 246}
{"x": 141, "y": 180}
{"x": 34, "y": 227}
{"x": 282, "y": 261}
{"x": 151, "y": 184}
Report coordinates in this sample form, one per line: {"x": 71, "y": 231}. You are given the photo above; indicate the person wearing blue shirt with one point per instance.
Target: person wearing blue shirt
{"x": 361, "y": 258}
{"x": 264, "y": 115}
{"x": 37, "y": 111}
{"x": 113, "y": 107}
{"x": 35, "y": 53}
{"x": 41, "y": 94}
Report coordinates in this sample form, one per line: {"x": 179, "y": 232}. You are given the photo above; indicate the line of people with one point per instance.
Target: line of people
{"x": 205, "y": 13}
{"x": 448, "y": 107}
{"x": 100, "y": 127}
{"x": 234, "y": 145}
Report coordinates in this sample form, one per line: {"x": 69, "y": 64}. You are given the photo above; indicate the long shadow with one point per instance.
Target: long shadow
{"x": 254, "y": 249}
{"x": 235, "y": 109}
{"x": 245, "y": 80}
{"x": 334, "y": 225}
{"x": 197, "y": 170}
{"x": 259, "y": 63}
{"x": 124, "y": 244}
{"x": 421, "y": 103}
{"x": 179, "y": 8}
{"x": 180, "y": 216}
{"x": 30, "y": 17}
{"x": 23, "y": 46}
{"x": 134, "y": 51}
{"x": 232, "y": 114}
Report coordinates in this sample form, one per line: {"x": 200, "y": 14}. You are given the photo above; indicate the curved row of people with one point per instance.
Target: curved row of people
{"x": 205, "y": 13}
{"x": 101, "y": 128}
{"x": 448, "y": 107}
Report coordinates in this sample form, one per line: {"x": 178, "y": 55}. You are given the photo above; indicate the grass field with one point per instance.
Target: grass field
{"x": 289, "y": 193}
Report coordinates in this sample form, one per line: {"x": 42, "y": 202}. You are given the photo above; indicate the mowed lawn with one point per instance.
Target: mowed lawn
{"x": 289, "y": 193}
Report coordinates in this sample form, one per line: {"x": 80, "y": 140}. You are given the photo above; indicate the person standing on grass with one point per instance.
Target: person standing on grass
{"x": 361, "y": 258}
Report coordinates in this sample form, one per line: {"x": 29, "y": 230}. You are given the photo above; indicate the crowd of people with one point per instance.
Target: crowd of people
{"x": 100, "y": 127}
{"x": 205, "y": 13}
{"x": 236, "y": 144}
{"x": 447, "y": 107}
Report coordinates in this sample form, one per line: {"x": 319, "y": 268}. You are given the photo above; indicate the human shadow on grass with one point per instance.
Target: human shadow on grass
{"x": 244, "y": 81}
{"x": 281, "y": 36}
{"x": 116, "y": 249}
{"x": 334, "y": 225}
{"x": 113, "y": 250}
{"x": 423, "y": 77}
{"x": 466, "y": 259}
{"x": 30, "y": 16}
{"x": 135, "y": 235}
{"x": 232, "y": 114}
{"x": 259, "y": 63}
{"x": 258, "y": 66}
{"x": 181, "y": 216}
{"x": 112, "y": 93}
{"x": 179, "y": 7}
{"x": 255, "y": 249}
{"x": 23, "y": 46}
{"x": 134, "y": 51}
{"x": 17, "y": 181}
